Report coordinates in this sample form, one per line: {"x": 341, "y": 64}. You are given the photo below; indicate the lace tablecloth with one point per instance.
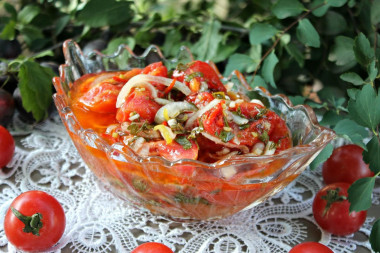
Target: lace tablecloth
{"x": 45, "y": 159}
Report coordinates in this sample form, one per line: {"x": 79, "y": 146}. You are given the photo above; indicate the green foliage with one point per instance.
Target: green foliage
{"x": 374, "y": 236}
{"x": 360, "y": 194}
{"x": 322, "y": 156}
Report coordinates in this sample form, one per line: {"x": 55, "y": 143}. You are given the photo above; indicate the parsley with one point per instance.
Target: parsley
{"x": 193, "y": 75}
{"x": 136, "y": 128}
{"x": 262, "y": 112}
{"x": 182, "y": 198}
{"x": 226, "y": 136}
{"x": 140, "y": 185}
{"x": 264, "y": 137}
{"x": 184, "y": 142}
{"x": 219, "y": 95}
{"x": 245, "y": 126}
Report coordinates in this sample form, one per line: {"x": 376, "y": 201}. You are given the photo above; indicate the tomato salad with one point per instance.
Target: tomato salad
{"x": 186, "y": 113}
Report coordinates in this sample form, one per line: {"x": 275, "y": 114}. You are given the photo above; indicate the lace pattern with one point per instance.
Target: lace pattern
{"x": 45, "y": 159}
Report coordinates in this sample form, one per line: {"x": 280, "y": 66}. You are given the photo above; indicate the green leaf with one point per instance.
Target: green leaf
{"x": 362, "y": 48}
{"x": 172, "y": 43}
{"x": 9, "y": 31}
{"x": 184, "y": 142}
{"x": 351, "y": 131}
{"x": 353, "y": 78}
{"x": 364, "y": 110}
{"x": 336, "y": 3}
{"x": 333, "y": 24}
{"x": 319, "y": 12}
{"x": 294, "y": 52}
{"x": 360, "y": 194}
{"x": 98, "y": 13}
{"x": 297, "y": 100}
{"x": 11, "y": 10}
{"x": 331, "y": 118}
{"x": 61, "y": 24}
{"x": 322, "y": 156}
{"x": 207, "y": 46}
{"x": 261, "y": 32}
{"x": 258, "y": 81}
{"x": 36, "y": 88}
{"x": 31, "y": 34}
{"x": 114, "y": 44}
{"x": 372, "y": 155}
{"x": 268, "y": 68}
{"x": 307, "y": 34}
{"x": 374, "y": 237}
{"x": 342, "y": 53}
{"x": 239, "y": 62}
{"x": 372, "y": 71}
{"x": 375, "y": 12}
{"x": 287, "y": 8}
{"x": 28, "y": 13}
{"x": 352, "y": 93}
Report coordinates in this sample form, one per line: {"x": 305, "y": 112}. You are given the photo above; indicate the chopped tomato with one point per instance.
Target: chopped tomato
{"x": 138, "y": 102}
{"x": 196, "y": 72}
{"x": 175, "y": 151}
{"x": 101, "y": 98}
{"x": 200, "y": 99}
{"x": 156, "y": 69}
{"x": 213, "y": 121}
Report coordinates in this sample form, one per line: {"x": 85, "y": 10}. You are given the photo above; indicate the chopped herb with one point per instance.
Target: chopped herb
{"x": 219, "y": 95}
{"x": 273, "y": 145}
{"x": 136, "y": 128}
{"x": 264, "y": 137}
{"x": 182, "y": 67}
{"x": 262, "y": 112}
{"x": 133, "y": 140}
{"x": 226, "y": 136}
{"x": 182, "y": 198}
{"x": 194, "y": 132}
{"x": 245, "y": 126}
{"x": 184, "y": 142}
{"x": 193, "y": 75}
{"x": 140, "y": 185}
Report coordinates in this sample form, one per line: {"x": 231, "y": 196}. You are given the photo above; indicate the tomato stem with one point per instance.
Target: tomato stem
{"x": 331, "y": 197}
{"x": 33, "y": 223}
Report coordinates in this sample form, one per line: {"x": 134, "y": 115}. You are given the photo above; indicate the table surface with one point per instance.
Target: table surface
{"x": 97, "y": 221}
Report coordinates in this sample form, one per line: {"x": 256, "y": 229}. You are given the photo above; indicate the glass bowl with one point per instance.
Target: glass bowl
{"x": 211, "y": 190}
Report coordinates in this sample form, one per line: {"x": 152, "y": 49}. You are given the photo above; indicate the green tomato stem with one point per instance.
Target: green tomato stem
{"x": 33, "y": 223}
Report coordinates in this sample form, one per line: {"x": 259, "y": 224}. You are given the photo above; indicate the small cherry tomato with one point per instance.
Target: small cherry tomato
{"x": 345, "y": 165}
{"x": 331, "y": 210}
{"x": 310, "y": 247}
{"x": 34, "y": 222}
{"x": 7, "y": 145}
{"x": 152, "y": 247}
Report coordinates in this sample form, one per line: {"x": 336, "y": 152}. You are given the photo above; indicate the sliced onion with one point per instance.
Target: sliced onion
{"x": 162, "y": 101}
{"x": 256, "y": 101}
{"x": 173, "y": 110}
{"x": 128, "y": 87}
{"x": 270, "y": 148}
{"x": 195, "y": 116}
{"x": 243, "y": 148}
{"x": 236, "y": 118}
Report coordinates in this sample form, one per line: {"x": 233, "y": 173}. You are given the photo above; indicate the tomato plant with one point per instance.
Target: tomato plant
{"x": 345, "y": 165}
{"x": 7, "y": 145}
{"x": 34, "y": 222}
{"x": 152, "y": 247}
{"x": 310, "y": 247}
{"x": 331, "y": 210}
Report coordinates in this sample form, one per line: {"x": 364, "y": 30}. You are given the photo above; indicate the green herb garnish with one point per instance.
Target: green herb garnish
{"x": 184, "y": 142}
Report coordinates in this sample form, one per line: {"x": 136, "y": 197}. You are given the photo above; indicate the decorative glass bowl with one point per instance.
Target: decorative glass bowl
{"x": 212, "y": 190}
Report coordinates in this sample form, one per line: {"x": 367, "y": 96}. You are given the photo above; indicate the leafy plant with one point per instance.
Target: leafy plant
{"x": 324, "y": 53}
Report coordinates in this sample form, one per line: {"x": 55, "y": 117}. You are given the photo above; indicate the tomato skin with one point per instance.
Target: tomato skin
{"x": 7, "y": 145}
{"x": 53, "y": 220}
{"x": 174, "y": 151}
{"x": 152, "y": 247}
{"x": 337, "y": 219}
{"x": 310, "y": 247}
{"x": 345, "y": 165}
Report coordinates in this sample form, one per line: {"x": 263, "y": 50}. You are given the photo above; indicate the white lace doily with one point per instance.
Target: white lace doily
{"x": 45, "y": 159}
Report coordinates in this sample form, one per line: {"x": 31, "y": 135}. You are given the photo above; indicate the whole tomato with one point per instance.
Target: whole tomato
{"x": 7, "y": 145}
{"x": 34, "y": 222}
{"x": 310, "y": 247}
{"x": 331, "y": 210}
{"x": 152, "y": 247}
{"x": 345, "y": 165}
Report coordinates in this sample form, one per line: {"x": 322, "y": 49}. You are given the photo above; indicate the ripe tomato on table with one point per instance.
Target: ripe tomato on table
{"x": 34, "y": 222}
{"x": 152, "y": 247}
{"x": 345, "y": 165}
{"x": 310, "y": 247}
{"x": 331, "y": 210}
{"x": 7, "y": 145}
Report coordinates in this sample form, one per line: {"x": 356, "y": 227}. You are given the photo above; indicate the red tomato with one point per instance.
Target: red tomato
{"x": 310, "y": 247}
{"x": 138, "y": 102}
{"x": 152, "y": 247}
{"x": 345, "y": 165}
{"x": 7, "y": 145}
{"x": 201, "y": 72}
{"x": 49, "y": 225}
{"x": 331, "y": 210}
{"x": 101, "y": 98}
{"x": 200, "y": 99}
{"x": 174, "y": 151}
